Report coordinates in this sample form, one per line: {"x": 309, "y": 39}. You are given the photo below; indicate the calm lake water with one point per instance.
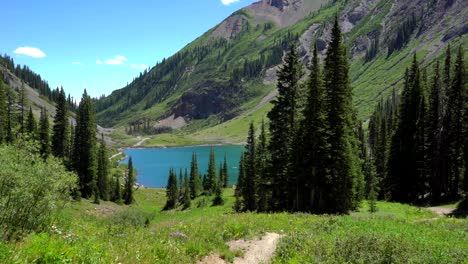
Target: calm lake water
{"x": 153, "y": 164}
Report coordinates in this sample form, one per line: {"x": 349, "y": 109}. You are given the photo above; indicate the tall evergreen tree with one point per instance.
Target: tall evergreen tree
{"x": 225, "y": 173}
{"x": 103, "y": 171}
{"x": 31, "y": 125}
{"x": 250, "y": 177}
{"x": 3, "y": 112}
{"x": 437, "y": 183}
{"x": 282, "y": 127}
{"x": 10, "y": 119}
{"x": 171, "y": 191}
{"x": 118, "y": 191}
{"x": 22, "y": 106}
{"x": 313, "y": 143}
{"x": 129, "y": 183}
{"x": 239, "y": 191}
{"x": 211, "y": 176}
{"x": 59, "y": 137}
{"x": 195, "y": 182}
{"x": 84, "y": 150}
{"x": 264, "y": 190}
{"x": 403, "y": 160}
{"x": 44, "y": 133}
{"x": 186, "y": 198}
{"x": 343, "y": 165}
{"x": 454, "y": 125}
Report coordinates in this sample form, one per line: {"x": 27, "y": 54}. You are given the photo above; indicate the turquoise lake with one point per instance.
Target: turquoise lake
{"x": 153, "y": 164}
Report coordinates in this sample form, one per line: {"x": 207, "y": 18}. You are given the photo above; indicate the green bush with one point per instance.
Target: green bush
{"x": 131, "y": 217}
{"x": 31, "y": 190}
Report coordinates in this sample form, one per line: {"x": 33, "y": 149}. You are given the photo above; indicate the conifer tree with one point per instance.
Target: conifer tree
{"x": 186, "y": 198}
{"x": 264, "y": 191}
{"x": 44, "y": 133}
{"x": 225, "y": 173}
{"x": 403, "y": 160}
{"x": 22, "y": 106}
{"x": 218, "y": 191}
{"x": 171, "y": 191}
{"x": 239, "y": 191}
{"x": 130, "y": 182}
{"x": 313, "y": 143}
{"x": 31, "y": 125}
{"x": 454, "y": 125}
{"x": 103, "y": 171}
{"x": 118, "y": 191}
{"x": 10, "y": 117}
{"x": 84, "y": 150}
{"x": 211, "y": 176}
{"x": 437, "y": 183}
{"x": 195, "y": 182}
{"x": 372, "y": 183}
{"x": 343, "y": 164}
{"x": 250, "y": 177}
{"x": 282, "y": 127}
{"x": 60, "y": 129}
{"x": 3, "y": 112}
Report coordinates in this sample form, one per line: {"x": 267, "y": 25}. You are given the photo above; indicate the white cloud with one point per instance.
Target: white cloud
{"x": 118, "y": 60}
{"x": 139, "y": 67}
{"x": 30, "y": 51}
{"x": 99, "y": 62}
{"x": 228, "y": 2}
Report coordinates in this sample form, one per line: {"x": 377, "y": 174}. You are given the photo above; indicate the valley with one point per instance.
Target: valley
{"x": 290, "y": 131}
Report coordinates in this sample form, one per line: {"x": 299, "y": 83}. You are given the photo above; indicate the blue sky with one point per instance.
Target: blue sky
{"x": 102, "y": 45}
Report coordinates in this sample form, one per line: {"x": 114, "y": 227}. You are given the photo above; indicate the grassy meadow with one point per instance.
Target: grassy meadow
{"x": 142, "y": 233}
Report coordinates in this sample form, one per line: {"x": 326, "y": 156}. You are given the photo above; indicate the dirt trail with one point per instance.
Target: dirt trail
{"x": 139, "y": 143}
{"x": 255, "y": 251}
{"x": 442, "y": 211}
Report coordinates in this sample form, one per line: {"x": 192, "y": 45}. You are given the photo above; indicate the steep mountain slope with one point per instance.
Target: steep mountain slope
{"x": 230, "y": 70}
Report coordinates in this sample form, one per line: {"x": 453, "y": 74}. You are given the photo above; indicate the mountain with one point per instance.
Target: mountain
{"x": 228, "y": 74}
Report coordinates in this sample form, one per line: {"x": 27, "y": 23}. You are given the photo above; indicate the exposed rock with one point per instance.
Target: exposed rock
{"x": 230, "y": 27}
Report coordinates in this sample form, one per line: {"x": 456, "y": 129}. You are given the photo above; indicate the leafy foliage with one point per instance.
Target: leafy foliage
{"x": 31, "y": 189}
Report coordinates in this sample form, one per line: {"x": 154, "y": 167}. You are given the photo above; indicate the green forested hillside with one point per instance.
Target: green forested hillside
{"x": 225, "y": 73}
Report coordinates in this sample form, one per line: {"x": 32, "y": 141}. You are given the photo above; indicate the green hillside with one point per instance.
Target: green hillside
{"x": 226, "y": 72}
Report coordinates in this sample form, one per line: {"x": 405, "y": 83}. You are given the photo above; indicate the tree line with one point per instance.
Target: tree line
{"x": 34, "y": 80}
{"x": 192, "y": 185}
{"x": 419, "y": 145}
{"x": 310, "y": 162}
{"x": 317, "y": 157}
{"x": 75, "y": 144}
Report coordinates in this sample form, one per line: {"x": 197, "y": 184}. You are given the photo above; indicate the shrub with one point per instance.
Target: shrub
{"x": 31, "y": 190}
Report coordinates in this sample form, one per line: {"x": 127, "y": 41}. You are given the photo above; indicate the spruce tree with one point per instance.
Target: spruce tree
{"x": 225, "y": 173}
{"x": 118, "y": 191}
{"x": 403, "y": 161}
{"x": 129, "y": 183}
{"x": 250, "y": 177}
{"x": 31, "y": 125}
{"x": 3, "y": 112}
{"x": 342, "y": 164}
{"x": 218, "y": 191}
{"x": 44, "y": 133}
{"x": 60, "y": 129}
{"x": 211, "y": 176}
{"x": 437, "y": 183}
{"x": 84, "y": 150}
{"x": 22, "y": 106}
{"x": 10, "y": 119}
{"x": 171, "y": 191}
{"x": 454, "y": 125}
{"x": 314, "y": 143}
{"x": 195, "y": 182}
{"x": 264, "y": 191}
{"x": 239, "y": 191}
{"x": 282, "y": 127}
{"x": 186, "y": 197}
{"x": 103, "y": 171}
